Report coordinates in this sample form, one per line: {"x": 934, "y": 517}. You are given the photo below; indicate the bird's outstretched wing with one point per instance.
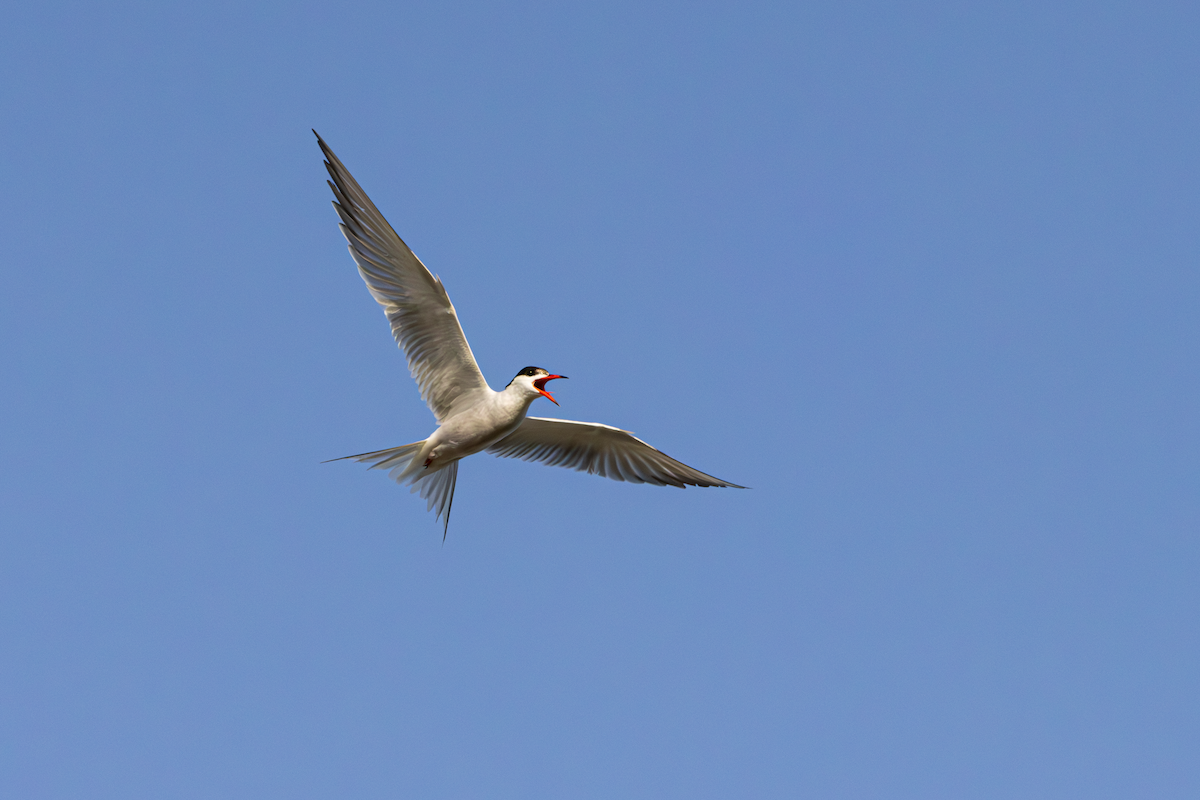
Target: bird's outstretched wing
{"x": 600, "y": 450}
{"x": 422, "y": 316}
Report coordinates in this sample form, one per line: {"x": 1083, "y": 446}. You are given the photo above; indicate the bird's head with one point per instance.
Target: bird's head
{"x": 533, "y": 381}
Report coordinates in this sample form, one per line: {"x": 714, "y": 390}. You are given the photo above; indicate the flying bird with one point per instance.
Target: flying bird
{"x": 471, "y": 417}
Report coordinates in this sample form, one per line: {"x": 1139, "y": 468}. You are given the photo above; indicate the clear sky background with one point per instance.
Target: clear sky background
{"x": 924, "y": 275}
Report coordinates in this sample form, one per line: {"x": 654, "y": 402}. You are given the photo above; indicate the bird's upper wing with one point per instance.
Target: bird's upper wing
{"x": 422, "y": 316}
{"x": 600, "y": 450}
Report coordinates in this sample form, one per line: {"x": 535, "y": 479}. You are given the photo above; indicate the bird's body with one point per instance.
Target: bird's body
{"x": 494, "y": 416}
{"x": 471, "y": 416}
{"x": 479, "y": 427}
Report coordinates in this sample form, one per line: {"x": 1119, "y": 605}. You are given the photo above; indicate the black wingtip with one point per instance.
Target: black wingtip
{"x": 324, "y": 147}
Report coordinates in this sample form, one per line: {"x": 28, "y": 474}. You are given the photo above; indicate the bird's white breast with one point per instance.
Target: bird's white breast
{"x": 476, "y": 428}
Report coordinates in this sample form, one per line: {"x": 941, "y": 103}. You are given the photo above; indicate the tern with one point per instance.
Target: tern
{"x": 471, "y": 417}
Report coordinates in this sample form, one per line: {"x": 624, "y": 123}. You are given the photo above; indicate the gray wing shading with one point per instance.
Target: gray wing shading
{"x": 600, "y": 450}
{"x": 416, "y": 304}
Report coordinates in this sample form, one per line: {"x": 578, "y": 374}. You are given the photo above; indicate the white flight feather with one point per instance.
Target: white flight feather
{"x": 423, "y": 319}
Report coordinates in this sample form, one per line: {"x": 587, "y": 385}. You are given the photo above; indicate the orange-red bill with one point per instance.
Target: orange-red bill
{"x": 540, "y": 385}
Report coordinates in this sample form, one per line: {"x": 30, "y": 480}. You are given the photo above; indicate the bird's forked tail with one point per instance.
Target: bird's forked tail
{"x": 398, "y": 461}
{"x": 404, "y": 465}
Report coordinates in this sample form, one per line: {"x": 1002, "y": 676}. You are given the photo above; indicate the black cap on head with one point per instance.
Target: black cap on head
{"x": 530, "y": 371}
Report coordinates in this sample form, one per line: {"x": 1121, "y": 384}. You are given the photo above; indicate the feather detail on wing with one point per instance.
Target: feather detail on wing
{"x": 600, "y": 450}
{"x": 423, "y": 319}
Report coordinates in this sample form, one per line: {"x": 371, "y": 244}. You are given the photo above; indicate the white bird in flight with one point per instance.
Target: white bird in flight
{"x": 471, "y": 416}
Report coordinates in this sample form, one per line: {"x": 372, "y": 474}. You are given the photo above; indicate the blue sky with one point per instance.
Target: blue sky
{"x": 923, "y": 275}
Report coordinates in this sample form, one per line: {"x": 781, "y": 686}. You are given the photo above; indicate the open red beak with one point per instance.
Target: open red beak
{"x": 540, "y": 385}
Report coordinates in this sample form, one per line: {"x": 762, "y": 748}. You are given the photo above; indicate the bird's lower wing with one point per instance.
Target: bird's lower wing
{"x": 599, "y": 450}
{"x": 423, "y": 319}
